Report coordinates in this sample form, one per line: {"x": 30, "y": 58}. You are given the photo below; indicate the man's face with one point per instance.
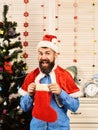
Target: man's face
{"x": 46, "y": 57}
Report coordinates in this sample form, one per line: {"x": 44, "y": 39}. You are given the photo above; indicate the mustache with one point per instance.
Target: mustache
{"x": 42, "y": 61}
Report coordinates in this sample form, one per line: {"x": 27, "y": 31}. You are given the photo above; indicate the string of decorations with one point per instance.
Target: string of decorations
{"x": 75, "y": 18}
{"x": 94, "y": 37}
{"x": 58, "y": 5}
{"x": 26, "y": 25}
{"x": 43, "y": 17}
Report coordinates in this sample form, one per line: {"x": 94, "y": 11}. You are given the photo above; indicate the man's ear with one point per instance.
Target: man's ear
{"x": 56, "y": 55}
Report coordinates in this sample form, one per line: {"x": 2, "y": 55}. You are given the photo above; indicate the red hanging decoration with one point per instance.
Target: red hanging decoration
{"x": 26, "y": 24}
{"x": 59, "y": 4}
{"x": 57, "y": 19}
{"x": 25, "y": 43}
{"x": 25, "y": 33}
{"x": 25, "y": 55}
{"x": 44, "y": 29}
{"x": 44, "y": 17}
{"x": 26, "y": 14}
{"x": 56, "y": 29}
{"x": 59, "y": 41}
{"x": 42, "y": 5}
{"x": 74, "y": 60}
{"x": 26, "y": 1}
{"x": 75, "y": 18}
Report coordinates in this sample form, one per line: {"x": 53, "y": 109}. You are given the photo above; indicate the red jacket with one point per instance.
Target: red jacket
{"x": 63, "y": 78}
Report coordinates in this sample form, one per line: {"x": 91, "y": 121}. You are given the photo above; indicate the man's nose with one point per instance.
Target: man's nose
{"x": 44, "y": 56}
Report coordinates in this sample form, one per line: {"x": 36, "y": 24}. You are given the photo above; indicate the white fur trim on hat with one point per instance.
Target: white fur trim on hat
{"x": 50, "y": 44}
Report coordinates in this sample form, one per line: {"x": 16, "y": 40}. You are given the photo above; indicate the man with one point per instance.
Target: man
{"x": 49, "y": 90}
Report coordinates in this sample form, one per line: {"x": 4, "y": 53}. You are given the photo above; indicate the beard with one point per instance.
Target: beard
{"x": 46, "y": 69}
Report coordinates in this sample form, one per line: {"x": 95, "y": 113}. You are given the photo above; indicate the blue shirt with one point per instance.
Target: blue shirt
{"x": 63, "y": 121}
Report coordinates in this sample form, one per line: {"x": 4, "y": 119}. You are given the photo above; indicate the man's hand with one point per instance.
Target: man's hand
{"x": 31, "y": 89}
{"x": 55, "y": 88}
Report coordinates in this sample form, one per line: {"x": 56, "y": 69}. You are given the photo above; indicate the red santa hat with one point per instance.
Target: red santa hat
{"x": 49, "y": 41}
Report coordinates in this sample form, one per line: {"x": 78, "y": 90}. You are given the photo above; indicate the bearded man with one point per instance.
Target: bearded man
{"x": 49, "y": 90}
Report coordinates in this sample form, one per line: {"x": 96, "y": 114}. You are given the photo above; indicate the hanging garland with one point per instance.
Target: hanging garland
{"x": 94, "y": 37}
{"x": 75, "y": 18}
{"x": 44, "y": 17}
{"x": 25, "y": 33}
{"x": 57, "y": 19}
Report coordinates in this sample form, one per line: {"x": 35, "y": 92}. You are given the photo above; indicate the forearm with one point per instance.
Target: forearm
{"x": 68, "y": 101}
{"x": 26, "y": 102}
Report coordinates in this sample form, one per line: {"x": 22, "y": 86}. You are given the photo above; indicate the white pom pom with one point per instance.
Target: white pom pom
{"x": 54, "y": 40}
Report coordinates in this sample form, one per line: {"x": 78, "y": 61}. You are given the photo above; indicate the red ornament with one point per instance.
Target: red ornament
{"x": 56, "y": 29}
{"x": 25, "y": 55}
{"x": 25, "y": 43}
{"x": 8, "y": 67}
{"x": 26, "y": 1}
{"x": 59, "y": 4}
{"x": 26, "y": 24}
{"x": 25, "y": 33}
{"x": 74, "y": 60}
{"x": 26, "y": 14}
{"x": 59, "y": 41}
{"x": 75, "y": 17}
{"x": 44, "y": 29}
{"x": 56, "y": 17}
{"x": 42, "y": 5}
{"x": 44, "y": 17}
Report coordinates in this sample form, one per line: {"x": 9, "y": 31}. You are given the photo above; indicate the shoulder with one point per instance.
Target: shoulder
{"x": 33, "y": 73}
{"x": 61, "y": 70}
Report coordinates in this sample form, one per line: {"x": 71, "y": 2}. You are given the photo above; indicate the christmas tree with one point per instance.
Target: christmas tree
{"x": 12, "y": 73}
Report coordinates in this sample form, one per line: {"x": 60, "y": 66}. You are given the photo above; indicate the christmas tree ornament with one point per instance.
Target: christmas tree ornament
{"x": 8, "y": 67}
{"x": 0, "y": 88}
{"x": 1, "y": 32}
{"x": 1, "y": 68}
{"x": 11, "y": 32}
{"x": 4, "y": 111}
{"x": 1, "y": 77}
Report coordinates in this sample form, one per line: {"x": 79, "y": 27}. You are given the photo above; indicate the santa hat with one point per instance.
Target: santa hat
{"x": 49, "y": 41}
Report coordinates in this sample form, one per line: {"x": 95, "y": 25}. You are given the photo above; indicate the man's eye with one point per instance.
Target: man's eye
{"x": 48, "y": 53}
{"x": 40, "y": 53}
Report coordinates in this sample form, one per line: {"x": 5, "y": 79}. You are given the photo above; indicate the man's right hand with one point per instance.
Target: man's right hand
{"x": 31, "y": 89}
